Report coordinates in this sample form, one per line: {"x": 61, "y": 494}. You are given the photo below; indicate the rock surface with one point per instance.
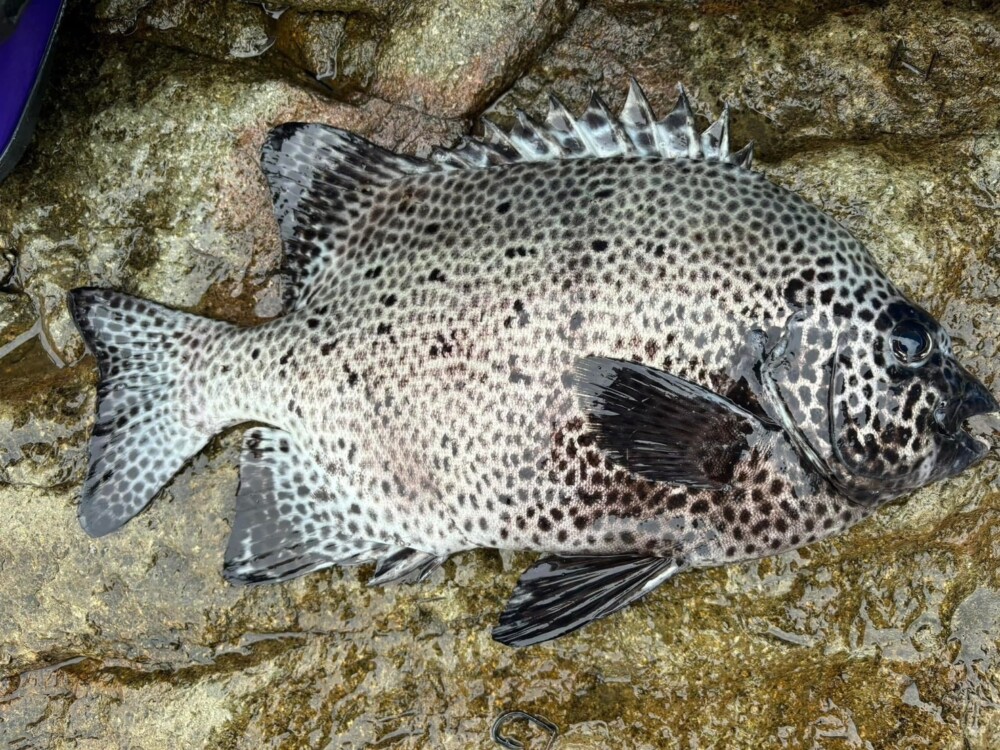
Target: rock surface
{"x": 143, "y": 177}
{"x": 444, "y": 57}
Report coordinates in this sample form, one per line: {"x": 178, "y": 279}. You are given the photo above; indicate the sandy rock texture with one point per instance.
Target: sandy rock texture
{"x": 143, "y": 176}
{"x": 449, "y": 57}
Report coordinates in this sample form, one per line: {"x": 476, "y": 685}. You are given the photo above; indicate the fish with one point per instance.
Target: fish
{"x": 606, "y": 339}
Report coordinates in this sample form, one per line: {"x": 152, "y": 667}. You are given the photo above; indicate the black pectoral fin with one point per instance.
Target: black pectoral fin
{"x": 661, "y": 427}
{"x": 558, "y": 595}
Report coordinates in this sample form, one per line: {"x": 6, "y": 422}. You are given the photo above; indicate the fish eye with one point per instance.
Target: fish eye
{"x": 911, "y": 342}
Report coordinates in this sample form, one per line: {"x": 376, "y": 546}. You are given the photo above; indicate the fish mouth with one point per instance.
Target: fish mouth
{"x": 953, "y": 420}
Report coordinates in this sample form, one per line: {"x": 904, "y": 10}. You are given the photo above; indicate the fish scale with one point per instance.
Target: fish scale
{"x": 603, "y": 339}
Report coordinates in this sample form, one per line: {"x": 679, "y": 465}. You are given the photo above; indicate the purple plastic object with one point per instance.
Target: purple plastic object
{"x": 24, "y": 55}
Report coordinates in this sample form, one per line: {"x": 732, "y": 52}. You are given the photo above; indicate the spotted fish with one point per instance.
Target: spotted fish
{"x": 602, "y": 338}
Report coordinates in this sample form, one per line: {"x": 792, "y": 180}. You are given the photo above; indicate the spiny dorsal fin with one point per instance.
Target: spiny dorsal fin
{"x": 597, "y": 133}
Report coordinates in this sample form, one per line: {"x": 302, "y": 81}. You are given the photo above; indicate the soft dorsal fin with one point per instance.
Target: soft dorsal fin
{"x": 315, "y": 173}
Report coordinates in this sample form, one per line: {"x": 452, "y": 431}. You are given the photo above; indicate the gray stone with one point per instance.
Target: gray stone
{"x": 452, "y": 58}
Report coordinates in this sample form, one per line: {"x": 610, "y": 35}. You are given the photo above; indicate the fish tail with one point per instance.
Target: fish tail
{"x": 141, "y": 435}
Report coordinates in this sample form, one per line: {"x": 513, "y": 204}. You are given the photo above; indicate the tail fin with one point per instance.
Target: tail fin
{"x": 140, "y": 439}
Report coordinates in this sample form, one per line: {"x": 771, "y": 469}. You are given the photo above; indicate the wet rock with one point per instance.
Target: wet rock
{"x": 144, "y": 177}
{"x": 443, "y": 57}
{"x": 16, "y": 319}
{"x": 799, "y": 72}
{"x": 312, "y": 40}
{"x": 119, "y": 16}
{"x": 371, "y": 7}
{"x": 451, "y": 58}
{"x": 224, "y": 29}
{"x": 337, "y": 50}
{"x": 45, "y": 415}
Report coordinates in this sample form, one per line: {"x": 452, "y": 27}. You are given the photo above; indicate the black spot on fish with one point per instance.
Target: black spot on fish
{"x": 792, "y": 291}
{"x": 352, "y": 377}
{"x": 842, "y": 310}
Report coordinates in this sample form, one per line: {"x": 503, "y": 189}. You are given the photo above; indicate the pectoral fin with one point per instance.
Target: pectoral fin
{"x": 558, "y": 595}
{"x": 662, "y": 427}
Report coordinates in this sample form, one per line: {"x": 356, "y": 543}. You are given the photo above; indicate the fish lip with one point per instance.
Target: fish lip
{"x": 975, "y": 400}
{"x": 966, "y": 448}
{"x": 963, "y": 450}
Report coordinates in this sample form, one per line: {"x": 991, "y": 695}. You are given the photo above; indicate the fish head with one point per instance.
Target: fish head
{"x": 876, "y": 405}
{"x": 899, "y": 400}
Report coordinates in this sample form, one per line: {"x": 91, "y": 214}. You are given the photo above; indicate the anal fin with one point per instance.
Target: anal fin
{"x": 558, "y": 595}
{"x": 288, "y": 522}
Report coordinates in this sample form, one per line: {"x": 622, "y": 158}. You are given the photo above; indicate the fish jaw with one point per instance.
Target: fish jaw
{"x": 960, "y": 448}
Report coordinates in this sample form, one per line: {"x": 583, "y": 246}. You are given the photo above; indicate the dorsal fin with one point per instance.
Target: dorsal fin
{"x": 319, "y": 175}
{"x": 598, "y": 134}
{"x": 315, "y": 172}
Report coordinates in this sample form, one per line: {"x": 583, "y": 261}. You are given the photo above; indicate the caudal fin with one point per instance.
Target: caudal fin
{"x": 140, "y": 439}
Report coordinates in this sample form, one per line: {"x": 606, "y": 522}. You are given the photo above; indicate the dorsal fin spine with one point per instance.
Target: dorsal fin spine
{"x": 640, "y": 124}
{"x": 603, "y": 130}
{"x": 564, "y": 128}
{"x": 677, "y": 130}
{"x": 715, "y": 140}
{"x": 744, "y": 157}
{"x": 496, "y": 137}
{"x": 534, "y": 141}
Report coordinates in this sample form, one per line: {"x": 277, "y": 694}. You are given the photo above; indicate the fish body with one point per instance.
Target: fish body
{"x": 605, "y": 339}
